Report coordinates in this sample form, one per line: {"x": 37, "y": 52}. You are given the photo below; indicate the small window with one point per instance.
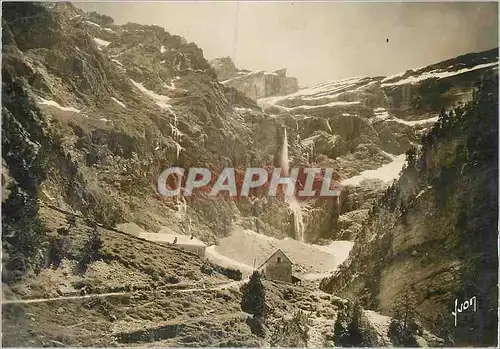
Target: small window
{"x": 279, "y": 260}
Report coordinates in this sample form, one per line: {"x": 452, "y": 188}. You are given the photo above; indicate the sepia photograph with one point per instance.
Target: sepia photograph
{"x": 249, "y": 174}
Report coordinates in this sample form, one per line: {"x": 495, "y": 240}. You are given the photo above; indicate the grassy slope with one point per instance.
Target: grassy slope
{"x": 126, "y": 263}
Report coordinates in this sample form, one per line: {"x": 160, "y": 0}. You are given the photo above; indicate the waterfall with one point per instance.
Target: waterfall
{"x": 293, "y": 204}
{"x": 285, "y": 167}
{"x": 180, "y": 204}
{"x": 298, "y": 219}
{"x": 177, "y": 136}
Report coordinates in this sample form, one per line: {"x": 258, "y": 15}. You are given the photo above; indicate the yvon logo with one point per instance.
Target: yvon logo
{"x": 464, "y": 306}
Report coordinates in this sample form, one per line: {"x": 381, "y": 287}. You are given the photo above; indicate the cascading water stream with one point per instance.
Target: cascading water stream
{"x": 181, "y": 203}
{"x": 177, "y": 136}
{"x": 293, "y": 204}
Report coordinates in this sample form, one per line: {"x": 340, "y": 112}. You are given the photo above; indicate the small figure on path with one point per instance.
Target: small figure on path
{"x": 175, "y": 240}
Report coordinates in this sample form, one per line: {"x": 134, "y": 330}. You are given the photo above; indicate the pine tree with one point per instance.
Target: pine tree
{"x": 411, "y": 157}
{"x": 404, "y": 307}
{"x": 253, "y": 300}
{"x": 350, "y": 330}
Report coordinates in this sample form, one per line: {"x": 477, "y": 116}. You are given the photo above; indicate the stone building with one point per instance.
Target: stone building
{"x": 277, "y": 267}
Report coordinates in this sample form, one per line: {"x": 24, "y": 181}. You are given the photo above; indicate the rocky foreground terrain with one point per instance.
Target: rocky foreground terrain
{"x": 93, "y": 112}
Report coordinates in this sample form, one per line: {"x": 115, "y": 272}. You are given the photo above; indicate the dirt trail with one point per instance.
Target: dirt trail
{"x": 218, "y": 287}
{"x": 222, "y": 286}
{"x": 41, "y": 300}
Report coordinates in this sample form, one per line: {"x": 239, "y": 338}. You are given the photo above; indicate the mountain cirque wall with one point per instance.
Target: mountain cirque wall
{"x": 104, "y": 109}
{"x": 258, "y": 84}
{"x": 128, "y": 101}
{"x": 93, "y": 112}
{"x": 363, "y": 126}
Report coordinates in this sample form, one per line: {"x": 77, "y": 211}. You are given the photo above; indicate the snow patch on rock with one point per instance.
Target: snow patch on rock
{"x": 160, "y": 100}
{"x": 117, "y": 62}
{"x": 387, "y": 173}
{"x": 118, "y": 102}
{"x": 91, "y": 23}
{"x": 437, "y": 75}
{"x": 57, "y": 105}
{"x": 415, "y": 122}
{"x": 101, "y": 43}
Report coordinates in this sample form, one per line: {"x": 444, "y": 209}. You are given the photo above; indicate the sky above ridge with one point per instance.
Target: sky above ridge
{"x": 320, "y": 41}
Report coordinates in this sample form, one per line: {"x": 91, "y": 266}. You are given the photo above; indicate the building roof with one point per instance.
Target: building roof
{"x": 271, "y": 256}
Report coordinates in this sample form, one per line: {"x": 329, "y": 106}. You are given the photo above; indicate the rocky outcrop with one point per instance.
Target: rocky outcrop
{"x": 439, "y": 85}
{"x": 224, "y": 68}
{"x": 257, "y": 84}
{"x": 113, "y": 106}
{"x": 434, "y": 231}
{"x": 123, "y": 102}
{"x": 93, "y": 112}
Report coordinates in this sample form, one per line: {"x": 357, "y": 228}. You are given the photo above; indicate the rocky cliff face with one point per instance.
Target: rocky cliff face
{"x": 122, "y": 103}
{"x": 257, "y": 84}
{"x": 434, "y": 230}
{"x": 363, "y": 126}
{"x": 93, "y": 112}
{"x": 224, "y": 68}
{"x": 111, "y": 107}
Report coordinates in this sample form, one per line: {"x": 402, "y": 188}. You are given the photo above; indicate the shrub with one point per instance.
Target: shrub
{"x": 401, "y": 335}
{"x": 58, "y": 249}
{"x": 293, "y": 332}
{"x": 90, "y": 251}
{"x": 231, "y": 273}
{"x": 351, "y": 329}
{"x": 404, "y": 308}
{"x": 23, "y": 234}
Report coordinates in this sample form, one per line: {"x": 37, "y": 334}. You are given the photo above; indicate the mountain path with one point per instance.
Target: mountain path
{"x": 221, "y": 286}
